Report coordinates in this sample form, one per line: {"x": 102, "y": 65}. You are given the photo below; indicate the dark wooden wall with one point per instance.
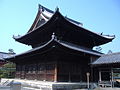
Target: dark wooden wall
{"x": 41, "y": 71}
{"x": 59, "y": 66}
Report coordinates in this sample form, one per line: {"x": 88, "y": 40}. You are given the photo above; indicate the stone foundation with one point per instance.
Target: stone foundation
{"x": 44, "y": 85}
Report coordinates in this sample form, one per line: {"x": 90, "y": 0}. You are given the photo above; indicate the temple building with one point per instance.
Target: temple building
{"x": 62, "y": 50}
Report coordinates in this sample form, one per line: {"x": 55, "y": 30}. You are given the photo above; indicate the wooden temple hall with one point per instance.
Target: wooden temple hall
{"x": 62, "y": 50}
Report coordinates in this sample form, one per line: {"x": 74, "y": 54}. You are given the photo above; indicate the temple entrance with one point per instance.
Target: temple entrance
{"x": 105, "y": 76}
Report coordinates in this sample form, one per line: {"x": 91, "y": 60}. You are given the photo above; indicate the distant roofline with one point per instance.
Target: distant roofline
{"x": 7, "y": 53}
{"x": 111, "y": 54}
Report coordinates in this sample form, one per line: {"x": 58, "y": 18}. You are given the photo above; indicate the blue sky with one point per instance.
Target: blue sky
{"x": 16, "y": 17}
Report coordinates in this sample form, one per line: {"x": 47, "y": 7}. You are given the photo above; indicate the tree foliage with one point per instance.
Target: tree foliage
{"x": 8, "y": 70}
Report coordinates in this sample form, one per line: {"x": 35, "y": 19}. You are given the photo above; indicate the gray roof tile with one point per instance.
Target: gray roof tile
{"x": 4, "y": 55}
{"x": 108, "y": 59}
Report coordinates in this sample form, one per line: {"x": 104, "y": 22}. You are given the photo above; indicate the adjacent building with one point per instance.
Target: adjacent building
{"x": 4, "y": 55}
{"x": 109, "y": 67}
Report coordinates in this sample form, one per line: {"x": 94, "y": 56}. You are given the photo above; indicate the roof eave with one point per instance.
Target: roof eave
{"x": 20, "y": 38}
{"x": 12, "y": 58}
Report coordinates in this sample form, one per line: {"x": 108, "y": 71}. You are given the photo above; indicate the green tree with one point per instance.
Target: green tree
{"x": 8, "y": 70}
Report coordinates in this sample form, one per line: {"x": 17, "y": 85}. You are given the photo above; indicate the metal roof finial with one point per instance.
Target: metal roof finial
{"x": 57, "y": 9}
{"x": 53, "y": 35}
{"x": 13, "y": 37}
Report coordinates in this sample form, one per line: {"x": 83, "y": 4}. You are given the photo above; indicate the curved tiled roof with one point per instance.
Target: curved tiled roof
{"x": 45, "y": 14}
{"x": 108, "y": 59}
{"x": 45, "y": 21}
{"x": 64, "y": 44}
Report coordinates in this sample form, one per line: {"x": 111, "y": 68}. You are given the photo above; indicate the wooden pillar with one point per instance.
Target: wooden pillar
{"x": 100, "y": 75}
{"x": 69, "y": 77}
{"x": 112, "y": 81}
{"x": 91, "y": 69}
{"x": 88, "y": 80}
{"x": 56, "y": 71}
{"x": 45, "y": 74}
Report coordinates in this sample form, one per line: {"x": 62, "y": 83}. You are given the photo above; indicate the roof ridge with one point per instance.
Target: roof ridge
{"x": 111, "y": 54}
{"x": 4, "y": 52}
